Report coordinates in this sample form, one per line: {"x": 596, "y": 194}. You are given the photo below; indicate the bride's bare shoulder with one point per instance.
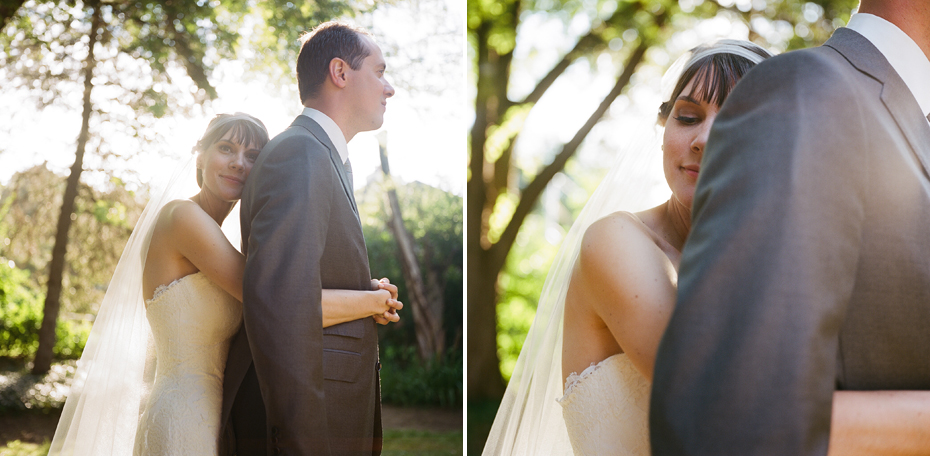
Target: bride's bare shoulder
{"x": 180, "y": 217}
{"x": 616, "y": 242}
{"x": 621, "y": 228}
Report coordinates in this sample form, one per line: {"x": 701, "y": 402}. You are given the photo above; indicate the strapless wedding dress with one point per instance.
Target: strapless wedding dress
{"x": 192, "y": 322}
{"x": 606, "y": 409}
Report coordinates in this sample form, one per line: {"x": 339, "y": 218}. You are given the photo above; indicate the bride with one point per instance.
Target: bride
{"x": 611, "y": 290}
{"x": 156, "y": 388}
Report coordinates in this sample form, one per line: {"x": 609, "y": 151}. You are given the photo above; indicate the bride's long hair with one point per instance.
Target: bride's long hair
{"x": 529, "y": 420}
{"x": 117, "y": 367}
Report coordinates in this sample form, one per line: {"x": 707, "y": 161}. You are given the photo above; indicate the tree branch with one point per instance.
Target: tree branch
{"x": 584, "y": 44}
{"x": 534, "y": 189}
{"x": 194, "y": 65}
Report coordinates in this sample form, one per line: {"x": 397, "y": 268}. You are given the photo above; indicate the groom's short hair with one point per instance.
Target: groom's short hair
{"x": 327, "y": 41}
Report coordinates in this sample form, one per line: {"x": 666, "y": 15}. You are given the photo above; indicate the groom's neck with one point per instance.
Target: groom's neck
{"x": 911, "y": 16}
{"x": 333, "y": 111}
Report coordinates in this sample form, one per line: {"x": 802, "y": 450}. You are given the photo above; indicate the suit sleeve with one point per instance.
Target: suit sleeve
{"x": 290, "y": 205}
{"x": 747, "y": 364}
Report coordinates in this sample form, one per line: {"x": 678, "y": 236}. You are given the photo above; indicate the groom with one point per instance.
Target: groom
{"x": 807, "y": 269}
{"x": 290, "y": 386}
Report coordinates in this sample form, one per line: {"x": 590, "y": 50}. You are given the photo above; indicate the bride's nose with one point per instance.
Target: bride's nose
{"x": 700, "y": 140}
{"x": 238, "y": 162}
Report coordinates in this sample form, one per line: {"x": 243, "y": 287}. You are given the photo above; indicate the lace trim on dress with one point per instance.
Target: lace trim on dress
{"x": 574, "y": 378}
{"x": 162, "y": 289}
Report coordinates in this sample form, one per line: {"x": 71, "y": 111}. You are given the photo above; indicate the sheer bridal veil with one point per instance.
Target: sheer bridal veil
{"x": 529, "y": 420}
{"x": 118, "y": 366}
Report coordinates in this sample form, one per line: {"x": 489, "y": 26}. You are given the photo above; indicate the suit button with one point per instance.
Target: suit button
{"x": 278, "y": 451}
{"x": 378, "y": 366}
{"x": 275, "y": 432}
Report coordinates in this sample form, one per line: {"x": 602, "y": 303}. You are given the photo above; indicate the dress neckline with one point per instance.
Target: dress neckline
{"x": 163, "y": 289}
{"x": 576, "y": 378}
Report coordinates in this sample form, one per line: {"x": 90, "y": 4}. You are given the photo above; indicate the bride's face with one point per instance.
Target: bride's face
{"x": 686, "y": 133}
{"x": 226, "y": 164}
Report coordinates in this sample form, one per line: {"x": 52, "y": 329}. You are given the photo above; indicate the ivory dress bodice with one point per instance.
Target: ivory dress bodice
{"x": 606, "y": 409}
{"x": 192, "y": 322}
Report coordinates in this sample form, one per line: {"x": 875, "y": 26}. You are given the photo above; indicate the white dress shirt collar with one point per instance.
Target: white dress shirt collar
{"x": 901, "y": 52}
{"x": 331, "y": 129}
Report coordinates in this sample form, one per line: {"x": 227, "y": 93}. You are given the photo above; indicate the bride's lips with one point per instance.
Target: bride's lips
{"x": 692, "y": 170}
{"x": 233, "y": 179}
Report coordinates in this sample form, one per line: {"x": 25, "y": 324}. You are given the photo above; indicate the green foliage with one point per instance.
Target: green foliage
{"x": 434, "y": 219}
{"x": 20, "y": 448}
{"x": 20, "y": 313}
{"x": 21, "y": 318}
{"x": 102, "y": 222}
{"x": 284, "y": 23}
{"x": 404, "y": 442}
{"x": 521, "y": 282}
{"x": 406, "y": 380}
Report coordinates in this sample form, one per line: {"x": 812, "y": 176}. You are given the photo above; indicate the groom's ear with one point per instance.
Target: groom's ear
{"x": 337, "y": 72}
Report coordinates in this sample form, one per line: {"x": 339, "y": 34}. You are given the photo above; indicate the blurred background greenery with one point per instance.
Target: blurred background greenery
{"x": 555, "y": 87}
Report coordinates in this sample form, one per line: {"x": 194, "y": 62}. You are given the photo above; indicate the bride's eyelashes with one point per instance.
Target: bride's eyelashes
{"x": 688, "y": 114}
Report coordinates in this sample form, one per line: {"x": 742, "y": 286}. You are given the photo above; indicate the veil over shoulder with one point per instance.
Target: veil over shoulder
{"x": 117, "y": 367}
{"x": 529, "y": 420}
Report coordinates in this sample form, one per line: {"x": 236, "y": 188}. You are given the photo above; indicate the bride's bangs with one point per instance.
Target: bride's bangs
{"x": 715, "y": 75}
{"x": 248, "y": 133}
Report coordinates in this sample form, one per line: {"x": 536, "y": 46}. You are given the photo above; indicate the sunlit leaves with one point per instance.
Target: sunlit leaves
{"x": 103, "y": 221}
{"x": 434, "y": 219}
{"x": 276, "y": 31}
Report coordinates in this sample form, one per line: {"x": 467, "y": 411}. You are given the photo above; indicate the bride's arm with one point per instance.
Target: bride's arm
{"x": 629, "y": 284}
{"x": 201, "y": 241}
{"x": 340, "y": 306}
{"x": 880, "y": 422}
{"x": 197, "y": 238}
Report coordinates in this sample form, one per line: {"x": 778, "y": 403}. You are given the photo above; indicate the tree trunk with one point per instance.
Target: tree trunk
{"x": 484, "y": 374}
{"x": 8, "y": 9}
{"x": 429, "y": 331}
{"x": 43, "y": 359}
{"x": 484, "y": 377}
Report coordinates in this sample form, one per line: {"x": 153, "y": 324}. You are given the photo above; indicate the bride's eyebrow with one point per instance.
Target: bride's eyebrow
{"x": 689, "y": 99}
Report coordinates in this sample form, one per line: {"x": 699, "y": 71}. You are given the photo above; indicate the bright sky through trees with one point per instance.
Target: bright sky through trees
{"x": 425, "y": 127}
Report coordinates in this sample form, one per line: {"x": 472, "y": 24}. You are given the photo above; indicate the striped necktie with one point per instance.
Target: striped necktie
{"x": 348, "y": 167}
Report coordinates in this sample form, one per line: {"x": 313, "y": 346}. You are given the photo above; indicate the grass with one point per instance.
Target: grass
{"x": 19, "y": 448}
{"x": 397, "y": 442}
{"x": 409, "y": 442}
{"x": 30, "y": 403}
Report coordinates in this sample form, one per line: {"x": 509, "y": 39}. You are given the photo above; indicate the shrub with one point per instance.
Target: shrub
{"x": 407, "y": 380}
{"x": 21, "y": 310}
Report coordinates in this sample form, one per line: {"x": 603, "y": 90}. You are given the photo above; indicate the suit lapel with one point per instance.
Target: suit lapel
{"x": 317, "y": 131}
{"x": 895, "y": 95}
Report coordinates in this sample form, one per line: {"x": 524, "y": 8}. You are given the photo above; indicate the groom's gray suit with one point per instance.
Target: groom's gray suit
{"x": 307, "y": 389}
{"x": 808, "y": 265}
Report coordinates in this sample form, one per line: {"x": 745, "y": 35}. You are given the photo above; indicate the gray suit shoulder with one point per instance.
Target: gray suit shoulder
{"x": 808, "y": 75}
{"x": 291, "y": 141}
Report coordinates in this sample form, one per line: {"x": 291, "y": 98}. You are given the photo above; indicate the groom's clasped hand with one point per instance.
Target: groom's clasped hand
{"x": 390, "y": 314}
